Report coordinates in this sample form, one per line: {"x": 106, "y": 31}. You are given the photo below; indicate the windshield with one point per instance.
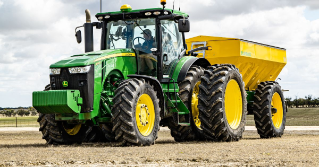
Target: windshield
{"x": 133, "y": 33}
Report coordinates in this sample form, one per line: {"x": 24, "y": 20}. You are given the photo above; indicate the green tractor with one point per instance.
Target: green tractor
{"x": 142, "y": 78}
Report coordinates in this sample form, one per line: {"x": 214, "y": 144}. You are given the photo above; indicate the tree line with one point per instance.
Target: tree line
{"x": 307, "y": 102}
{"x": 8, "y": 112}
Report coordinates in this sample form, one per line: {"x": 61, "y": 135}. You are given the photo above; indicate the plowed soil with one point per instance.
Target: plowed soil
{"x": 295, "y": 148}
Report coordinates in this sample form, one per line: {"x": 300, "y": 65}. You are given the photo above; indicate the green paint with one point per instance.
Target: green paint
{"x": 243, "y": 53}
{"x": 57, "y": 101}
{"x": 88, "y": 58}
{"x": 180, "y": 65}
{"x": 250, "y": 97}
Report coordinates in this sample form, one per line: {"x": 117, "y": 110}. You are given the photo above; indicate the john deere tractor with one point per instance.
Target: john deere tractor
{"x": 146, "y": 75}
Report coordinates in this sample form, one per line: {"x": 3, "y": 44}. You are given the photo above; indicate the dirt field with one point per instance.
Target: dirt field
{"x": 295, "y": 148}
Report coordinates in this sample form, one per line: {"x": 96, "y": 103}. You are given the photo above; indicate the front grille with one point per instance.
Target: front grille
{"x": 82, "y": 82}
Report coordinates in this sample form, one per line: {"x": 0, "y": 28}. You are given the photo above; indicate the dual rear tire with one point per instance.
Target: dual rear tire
{"x": 188, "y": 92}
{"x": 222, "y": 103}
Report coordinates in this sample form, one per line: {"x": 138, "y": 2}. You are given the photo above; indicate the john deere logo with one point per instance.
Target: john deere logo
{"x": 65, "y": 83}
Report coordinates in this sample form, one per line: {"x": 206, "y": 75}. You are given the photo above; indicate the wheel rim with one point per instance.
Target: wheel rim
{"x": 194, "y": 105}
{"x": 74, "y": 130}
{"x": 276, "y": 103}
{"x": 145, "y": 114}
{"x": 233, "y": 104}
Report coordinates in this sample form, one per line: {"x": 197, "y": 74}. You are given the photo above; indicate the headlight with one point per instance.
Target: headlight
{"x": 55, "y": 71}
{"x": 100, "y": 18}
{"x": 74, "y": 70}
{"x": 148, "y": 13}
{"x": 157, "y": 13}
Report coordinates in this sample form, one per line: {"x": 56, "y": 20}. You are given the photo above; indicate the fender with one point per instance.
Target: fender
{"x": 157, "y": 87}
{"x": 185, "y": 63}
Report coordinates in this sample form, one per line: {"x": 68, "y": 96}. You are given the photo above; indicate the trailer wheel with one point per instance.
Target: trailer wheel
{"x": 136, "y": 113}
{"x": 60, "y": 132}
{"x": 269, "y": 110}
{"x": 189, "y": 89}
{"x": 222, "y": 103}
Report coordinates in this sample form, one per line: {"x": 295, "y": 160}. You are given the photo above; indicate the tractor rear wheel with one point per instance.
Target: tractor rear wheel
{"x": 95, "y": 135}
{"x": 188, "y": 92}
{"x": 136, "y": 113}
{"x": 222, "y": 103}
{"x": 108, "y": 135}
{"x": 269, "y": 110}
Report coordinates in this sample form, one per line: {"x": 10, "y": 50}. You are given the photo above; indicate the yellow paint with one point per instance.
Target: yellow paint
{"x": 148, "y": 56}
{"x": 277, "y": 117}
{"x": 194, "y": 105}
{"x": 233, "y": 104}
{"x": 125, "y": 7}
{"x": 73, "y": 131}
{"x": 256, "y": 62}
{"x": 145, "y": 114}
{"x": 114, "y": 55}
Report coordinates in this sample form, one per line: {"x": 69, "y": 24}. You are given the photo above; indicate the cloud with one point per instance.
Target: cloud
{"x": 35, "y": 34}
{"x": 283, "y": 27}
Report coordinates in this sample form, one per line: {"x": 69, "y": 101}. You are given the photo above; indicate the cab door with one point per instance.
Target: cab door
{"x": 172, "y": 46}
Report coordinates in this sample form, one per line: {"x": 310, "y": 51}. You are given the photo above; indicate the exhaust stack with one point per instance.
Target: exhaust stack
{"x": 88, "y": 15}
{"x": 88, "y": 32}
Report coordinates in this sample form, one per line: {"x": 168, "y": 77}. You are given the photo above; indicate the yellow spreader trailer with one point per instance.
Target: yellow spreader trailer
{"x": 259, "y": 65}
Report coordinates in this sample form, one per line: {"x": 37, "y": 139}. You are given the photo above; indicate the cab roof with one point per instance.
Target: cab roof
{"x": 140, "y": 13}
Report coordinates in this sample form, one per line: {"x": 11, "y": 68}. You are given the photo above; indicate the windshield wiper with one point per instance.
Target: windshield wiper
{"x": 141, "y": 28}
{"x": 136, "y": 24}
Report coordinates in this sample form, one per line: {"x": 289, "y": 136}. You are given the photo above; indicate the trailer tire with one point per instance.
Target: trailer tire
{"x": 269, "y": 96}
{"x": 222, "y": 103}
{"x": 136, "y": 113}
{"x": 188, "y": 92}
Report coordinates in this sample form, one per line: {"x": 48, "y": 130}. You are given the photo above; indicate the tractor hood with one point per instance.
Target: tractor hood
{"x": 92, "y": 57}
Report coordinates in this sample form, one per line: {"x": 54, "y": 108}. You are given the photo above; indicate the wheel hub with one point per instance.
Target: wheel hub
{"x": 144, "y": 114}
{"x": 276, "y": 110}
{"x": 194, "y": 105}
{"x": 233, "y": 104}
{"x": 72, "y": 130}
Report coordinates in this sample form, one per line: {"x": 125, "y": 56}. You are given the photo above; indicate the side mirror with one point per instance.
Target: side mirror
{"x": 183, "y": 25}
{"x": 78, "y": 36}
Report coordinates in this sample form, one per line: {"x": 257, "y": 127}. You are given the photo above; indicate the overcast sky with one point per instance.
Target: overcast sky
{"x": 37, "y": 33}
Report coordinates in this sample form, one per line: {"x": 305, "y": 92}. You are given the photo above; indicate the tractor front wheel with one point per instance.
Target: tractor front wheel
{"x": 136, "y": 113}
{"x": 60, "y": 133}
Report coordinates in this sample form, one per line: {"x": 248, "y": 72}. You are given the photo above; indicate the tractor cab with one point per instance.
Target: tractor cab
{"x": 140, "y": 34}
{"x": 156, "y": 35}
